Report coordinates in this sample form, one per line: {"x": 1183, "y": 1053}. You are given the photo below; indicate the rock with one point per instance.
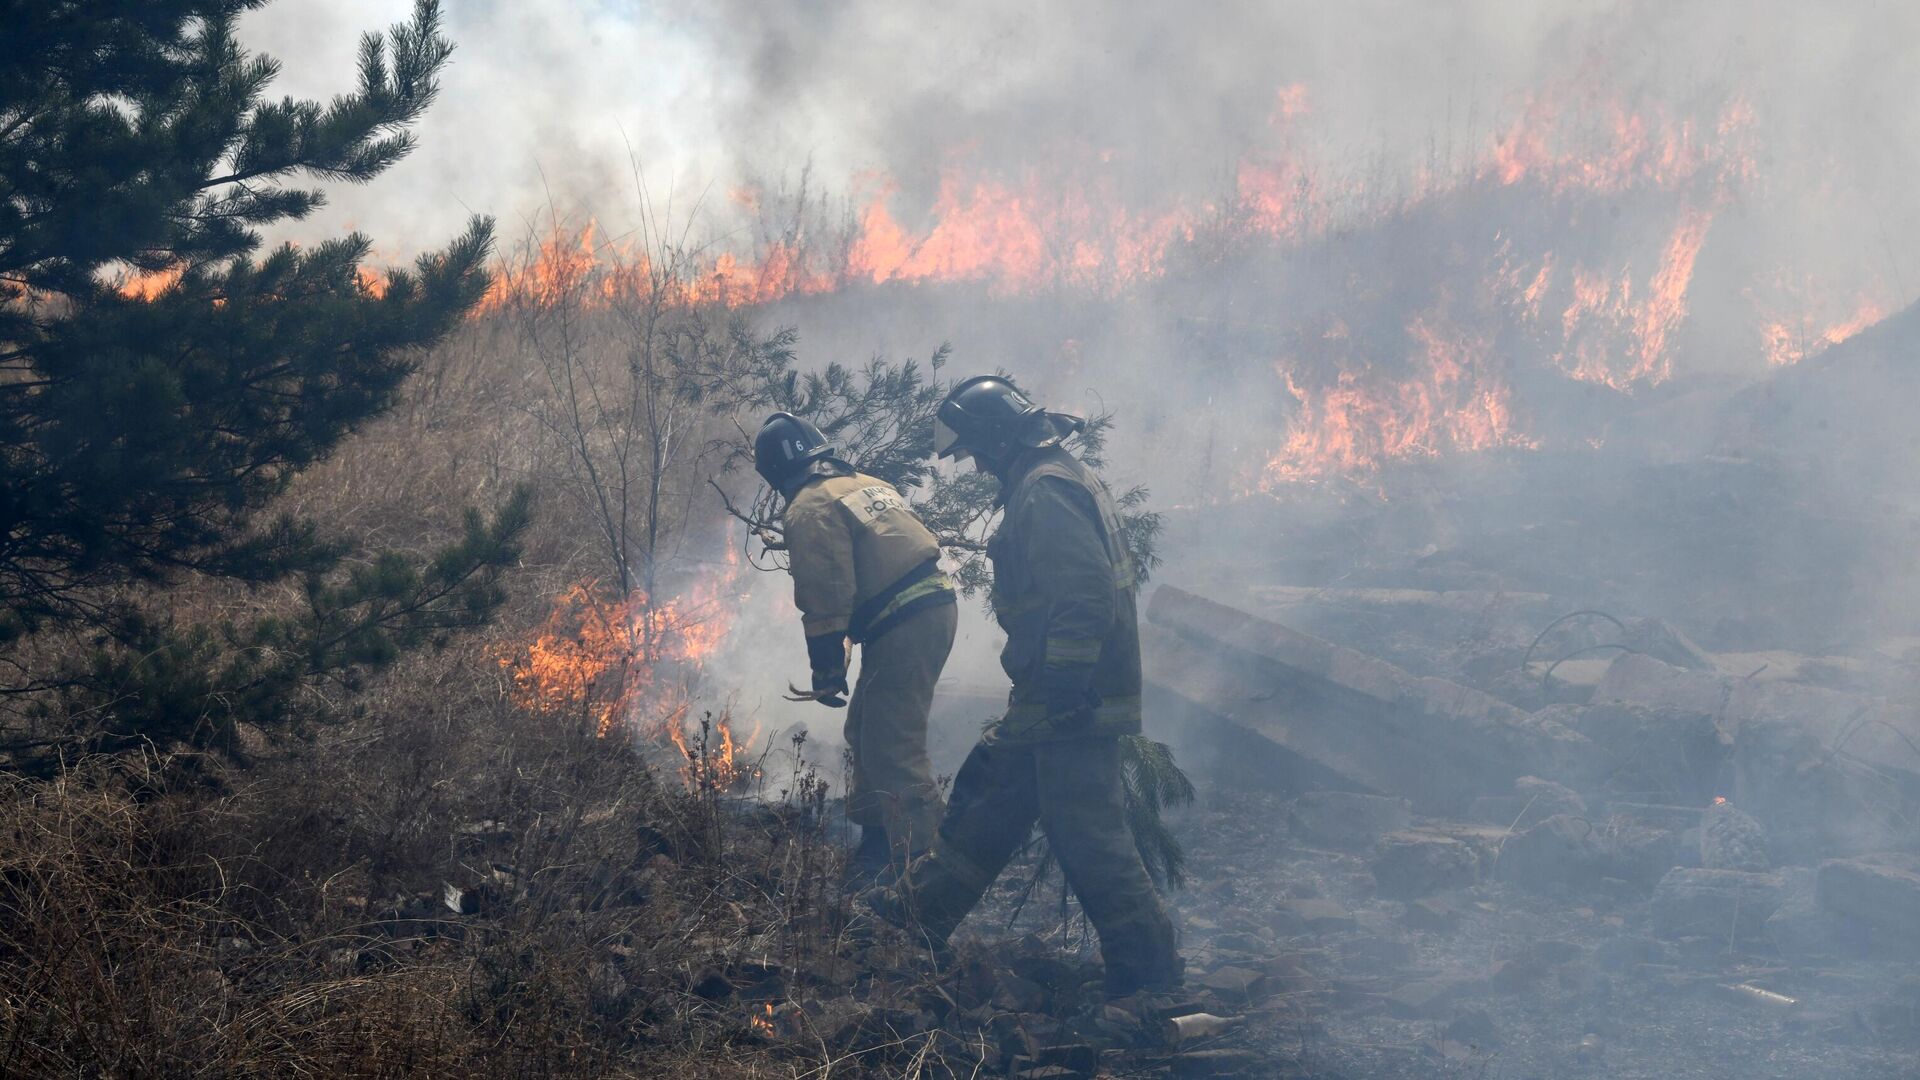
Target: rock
{"x": 1078, "y": 1058}
{"x": 1641, "y": 854}
{"x": 1654, "y": 747}
{"x": 1049, "y": 971}
{"x": 1546, "y": 798}
{"x": 1384, "y": 955}
{"x": 1559, "y": 854}
{"x": 1726, "y": 905}
{"x": 1287, "y": 975}
{"x": 1895, "y": 1017}
{"x": 1345, "y": 819}
{"x": 1310, "y": 917}
{"x": 1731, "y": 839}
{"x": 1431, "y": 913}
{"x": 1243, "y": 943}
{"x": 1407, "y": 865}
{"x": 1022, "y": 1034}
{"x": 1475, "y": 1028}
{"x": 1628, "y": 952}
{"x": 1016, "y": 994}
{"x": 712, "y": 984}
{"x": 1881, "y": 891}
{"x": 1806, "y": 932}
{"x": 1506, "y": 811}
{"x": 1433, "y": 997}
{"x": 1516, "y": 975}
{"x": 1235, "y": 985}
{"x": 1590, "y": 1049}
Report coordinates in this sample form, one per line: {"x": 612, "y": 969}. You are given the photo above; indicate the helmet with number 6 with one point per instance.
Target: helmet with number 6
{"x": 786, "y": 448}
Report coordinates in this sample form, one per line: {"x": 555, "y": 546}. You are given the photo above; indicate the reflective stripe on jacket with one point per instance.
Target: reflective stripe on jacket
{"x": 861, "y": 560}
{"x": 1064, "y": 592}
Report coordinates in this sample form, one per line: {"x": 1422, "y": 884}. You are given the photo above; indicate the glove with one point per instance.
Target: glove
{"x": 827, "y": 655}
{"x": 1070, "y": 700}
{"x": 830, "y": 688}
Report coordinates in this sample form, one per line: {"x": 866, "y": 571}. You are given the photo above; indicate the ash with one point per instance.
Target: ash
{"x": 1492, "y": 980}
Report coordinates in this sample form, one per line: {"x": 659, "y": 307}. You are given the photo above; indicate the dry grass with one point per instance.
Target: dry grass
{"x": 161, "y": 920}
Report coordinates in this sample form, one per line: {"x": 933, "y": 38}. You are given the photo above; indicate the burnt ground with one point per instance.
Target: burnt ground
{"x": 1485, "y": 981}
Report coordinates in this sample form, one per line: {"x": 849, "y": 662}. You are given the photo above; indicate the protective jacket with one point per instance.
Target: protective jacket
{"x": 1064, "y": 591}
{"x": 861, "y": 560}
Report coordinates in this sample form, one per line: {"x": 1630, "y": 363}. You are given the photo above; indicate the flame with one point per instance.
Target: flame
{"x": 762, "y": 1022}
{"x": 1452, "y": 402}
{"x": 633, "y": 664}
{"x": 618, "y": 662}
{"x": 1015, "y": 238}
{"x": 372, "y": 281}
{"x": 1787, "y": 340}
{"x": 1568, "y": 141}
{"x": 1067, "y": 225}
{"x": 1606, "y": 316}
{"x": 715, "y": 757}
{"x": 146, "y": 285}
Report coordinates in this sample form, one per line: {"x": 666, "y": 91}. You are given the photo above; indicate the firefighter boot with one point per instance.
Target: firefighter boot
{"x": 870, "y": 858}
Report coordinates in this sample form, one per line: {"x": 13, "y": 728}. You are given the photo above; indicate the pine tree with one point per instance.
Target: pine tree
{"x": 145, "y": 431}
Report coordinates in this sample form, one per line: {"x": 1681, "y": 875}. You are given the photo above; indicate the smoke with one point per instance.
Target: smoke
{"x": 543, "y": 102}
{"x": 1158, "y": 106}
{"x": 557, "y": 101}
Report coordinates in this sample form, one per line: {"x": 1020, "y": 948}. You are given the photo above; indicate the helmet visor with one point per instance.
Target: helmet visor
{"x": 946, "y": 441}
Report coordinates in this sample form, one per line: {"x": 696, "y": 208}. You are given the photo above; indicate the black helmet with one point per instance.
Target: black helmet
{"x": 785, "y": 448}
{"x": 984, "y": 415}
{"x": 988, "y": 416}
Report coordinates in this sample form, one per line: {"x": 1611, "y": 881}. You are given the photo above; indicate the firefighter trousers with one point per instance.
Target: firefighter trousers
{"x": 892, "y": 784}
{"x": 1072, "y": 789}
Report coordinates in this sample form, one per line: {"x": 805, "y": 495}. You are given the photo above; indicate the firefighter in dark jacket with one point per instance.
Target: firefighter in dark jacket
{"x": 1063, "y": 590}
{"x": 866, "y": 572}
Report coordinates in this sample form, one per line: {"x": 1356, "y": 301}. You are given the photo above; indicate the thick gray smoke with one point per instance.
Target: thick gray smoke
{"x": 547, "y": 99}
{"x": 560, "y": 103}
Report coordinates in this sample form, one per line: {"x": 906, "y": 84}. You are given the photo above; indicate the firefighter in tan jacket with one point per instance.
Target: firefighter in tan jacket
{"x": 866, "y": 572}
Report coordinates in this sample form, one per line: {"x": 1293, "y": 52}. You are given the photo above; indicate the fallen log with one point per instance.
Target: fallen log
{"x": 1376, "y": 727}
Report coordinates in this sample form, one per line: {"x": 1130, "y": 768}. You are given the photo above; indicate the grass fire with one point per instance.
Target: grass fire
{"x": 1050, "y": 541}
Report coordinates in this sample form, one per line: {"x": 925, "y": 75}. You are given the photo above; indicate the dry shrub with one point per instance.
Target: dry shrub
{"x": 297, "y": 919}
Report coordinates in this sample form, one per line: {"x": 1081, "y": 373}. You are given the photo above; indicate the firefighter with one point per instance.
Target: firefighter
{"x": 866, "y": 572}
{"x": 1063, "y": 590}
